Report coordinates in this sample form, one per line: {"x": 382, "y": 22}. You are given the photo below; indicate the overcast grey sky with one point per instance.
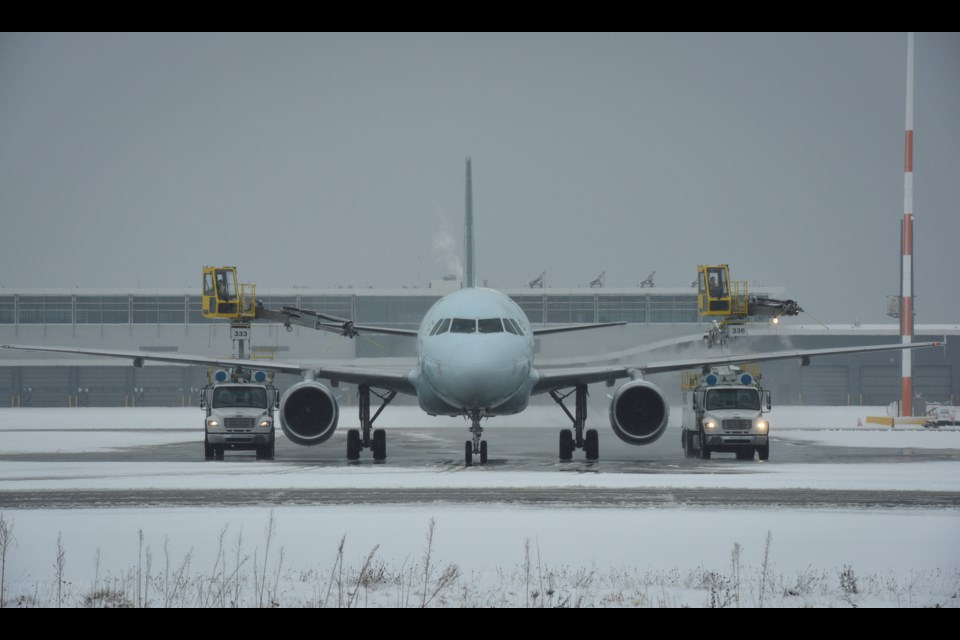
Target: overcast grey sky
{"x": 338, "y": 159}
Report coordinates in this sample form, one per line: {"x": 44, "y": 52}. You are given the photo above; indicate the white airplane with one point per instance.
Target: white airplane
{"x": 474, "y": 359}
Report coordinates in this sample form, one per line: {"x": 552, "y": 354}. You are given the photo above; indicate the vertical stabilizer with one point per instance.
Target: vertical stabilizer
{"x": 470, "y": 276}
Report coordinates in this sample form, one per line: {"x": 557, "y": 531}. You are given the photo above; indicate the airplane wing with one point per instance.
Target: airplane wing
{"x": 575, "y": 327}
{"x": 399, "y": 381}
{"x": 559, "y": 378}
{"x": 393, "y": 379}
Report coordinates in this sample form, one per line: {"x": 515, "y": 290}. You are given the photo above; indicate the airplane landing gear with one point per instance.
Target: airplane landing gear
{"x": 588, "y": 440}
{"x": 367, "y": 437}
{"x": 475, "y": 446}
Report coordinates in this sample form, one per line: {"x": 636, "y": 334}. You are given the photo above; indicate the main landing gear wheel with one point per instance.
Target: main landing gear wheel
{"x": 367, "y": 437}
{"x": 591, "y": 445}
{"x": 353, "y": 444}
{"x": 566, "y": 444}
{"x": 483, "y": 452}
{"x": 577, "y": 438}
{"x": 379, "y": 445}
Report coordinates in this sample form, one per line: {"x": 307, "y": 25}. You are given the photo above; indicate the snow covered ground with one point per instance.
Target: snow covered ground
{"x": 480, "y": 554}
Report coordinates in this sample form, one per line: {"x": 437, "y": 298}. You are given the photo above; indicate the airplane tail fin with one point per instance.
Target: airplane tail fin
{"x": 470, "y": 276}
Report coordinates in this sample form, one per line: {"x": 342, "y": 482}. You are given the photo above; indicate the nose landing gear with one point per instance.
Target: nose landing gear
{"x": 476, "y": 446}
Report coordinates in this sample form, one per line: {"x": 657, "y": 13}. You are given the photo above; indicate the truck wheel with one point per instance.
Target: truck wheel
{"x": 704, "y": 449}
{"x": 687, "y": 440}
{"x": 266, "y": 451}
{"x": 353, "y": 444}
{"x": 745, "y": 453}
{"x": 271, "y": 448}
{"x": 591, "y": 444}
{"x": 379, "y": 444}
{"x": 566, "y": 444}
{"x": 207, "y": 450}
{"x": 218, "y": 453}
{"x": 763, "y": 453}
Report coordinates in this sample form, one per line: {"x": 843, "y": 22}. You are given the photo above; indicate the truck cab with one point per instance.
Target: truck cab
{"x": 725, "y": 413}
{"x": 239, "y": 416}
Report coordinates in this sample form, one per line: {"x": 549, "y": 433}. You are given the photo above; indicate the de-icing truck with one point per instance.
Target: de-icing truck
{"x": 725, "y": 413}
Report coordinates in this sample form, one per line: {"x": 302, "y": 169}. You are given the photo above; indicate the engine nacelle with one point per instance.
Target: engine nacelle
{"x": 309, "y": 413}
{"x": 639, "y": 412}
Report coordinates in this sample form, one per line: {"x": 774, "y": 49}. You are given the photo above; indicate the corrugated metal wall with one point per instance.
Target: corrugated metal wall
{"x": 935, "y": 383}
{"x": 102, "y": 386}
{"x": 46, "y": 387}
{"x": 7, "y": 392}
{"x": 825, "y": 385}
{"x": 880, "y": 385}
{"x": 161, "y": 387}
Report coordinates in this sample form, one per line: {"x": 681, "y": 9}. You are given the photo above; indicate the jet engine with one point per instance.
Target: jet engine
{"x": 309, "y": 413}
{"x": 639, "y": 412}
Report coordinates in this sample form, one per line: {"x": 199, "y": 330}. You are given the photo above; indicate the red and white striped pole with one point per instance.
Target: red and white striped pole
{"x": 906, "y": 249}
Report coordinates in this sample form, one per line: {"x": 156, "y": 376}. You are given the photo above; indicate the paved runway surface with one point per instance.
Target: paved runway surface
{"x": 515, "y": 449}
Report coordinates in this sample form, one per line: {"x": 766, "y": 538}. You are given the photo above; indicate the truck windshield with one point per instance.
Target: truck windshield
{"x": 733, "y": 399}
{"x": 252, "y": 397}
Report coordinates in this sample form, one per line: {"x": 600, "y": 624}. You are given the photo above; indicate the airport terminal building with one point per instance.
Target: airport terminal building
{"x": 663, "y": 324}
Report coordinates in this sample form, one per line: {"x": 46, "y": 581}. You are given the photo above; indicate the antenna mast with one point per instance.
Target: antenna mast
{"x": 906, "y": 249}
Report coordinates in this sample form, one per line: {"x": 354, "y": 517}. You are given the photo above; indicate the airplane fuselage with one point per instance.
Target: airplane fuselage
{"x": 474, "y": 355}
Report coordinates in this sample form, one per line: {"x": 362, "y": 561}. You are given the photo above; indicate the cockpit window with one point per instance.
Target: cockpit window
{"x": 516, "y": 325}
{"x": 490, "y": 325}
{"x": 440, "y": 327}
{"x": 508, "y": 325}
{"x": 463, "y": 325}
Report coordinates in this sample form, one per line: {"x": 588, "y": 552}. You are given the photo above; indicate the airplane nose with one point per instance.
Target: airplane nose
{"x": 479, "y": 374}
{"x": 478, "y": 356}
